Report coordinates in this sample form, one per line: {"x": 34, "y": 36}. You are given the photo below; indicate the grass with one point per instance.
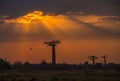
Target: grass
{"x": 60, "y": 75}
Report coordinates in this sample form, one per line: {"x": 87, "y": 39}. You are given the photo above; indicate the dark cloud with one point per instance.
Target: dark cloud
{"x": 98, "y": 7}
{"x": 115, "y": 19}
{"x": 11, "y": 33}
{"x": 1, "y": 22}
{"x": 92, "y": 31}
{"x": 8, "y": 33}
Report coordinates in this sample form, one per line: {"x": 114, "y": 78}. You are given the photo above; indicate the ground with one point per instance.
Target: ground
{"x": 60, "y": 75}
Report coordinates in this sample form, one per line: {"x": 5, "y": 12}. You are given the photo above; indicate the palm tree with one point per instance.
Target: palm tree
{"x": 53, "y": 44}
{"x": 105, "y": 59}
{"x": 93, "y": 58}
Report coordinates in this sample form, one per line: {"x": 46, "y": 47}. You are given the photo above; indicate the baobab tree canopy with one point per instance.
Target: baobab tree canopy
{"x": 53, "y": 43}
{"x": 93, "y": 57}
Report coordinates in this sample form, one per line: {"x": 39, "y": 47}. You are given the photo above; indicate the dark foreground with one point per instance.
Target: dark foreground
{"x": 60, "y": 75}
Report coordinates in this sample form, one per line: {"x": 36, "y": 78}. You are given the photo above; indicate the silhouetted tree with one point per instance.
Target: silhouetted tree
{"x": 93, "y": 58}
{"x": 4, "y": 64}
{"x": 53, "y": 44}
{"x": 105, "y": 59}
{"x": 26, "y": 63}
{"x": 43, "y": 62}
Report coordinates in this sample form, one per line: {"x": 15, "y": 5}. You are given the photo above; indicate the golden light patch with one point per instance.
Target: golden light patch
{"x": 28, "y": 18}
{"x": 37, "y": 22}
{"x": 37, "y": 19}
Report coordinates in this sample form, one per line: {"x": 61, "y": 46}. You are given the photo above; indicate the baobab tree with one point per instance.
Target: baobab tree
{"x": 53, "y": 44}
{"x": 105, "y": 59}
{"x": 93, "y": 58}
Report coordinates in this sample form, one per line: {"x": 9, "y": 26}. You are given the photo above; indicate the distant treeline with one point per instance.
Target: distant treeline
{"x": 43, "y": 65}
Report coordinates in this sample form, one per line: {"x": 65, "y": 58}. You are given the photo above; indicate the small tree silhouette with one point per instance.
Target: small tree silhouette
{"x": 43, "y": 62}
{"x": 4, "y": 64}
{"x": 53, "y": 44}
{"x": 93, "y": 58}
{"x": 105, "y": 59}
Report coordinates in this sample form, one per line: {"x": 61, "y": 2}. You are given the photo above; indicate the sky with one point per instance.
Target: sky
{"x": 85, "y": 28}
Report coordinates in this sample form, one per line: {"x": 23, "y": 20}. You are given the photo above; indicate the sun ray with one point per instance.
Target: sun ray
{"x": 37, "y": 23}
{"x": 36, "y": 19}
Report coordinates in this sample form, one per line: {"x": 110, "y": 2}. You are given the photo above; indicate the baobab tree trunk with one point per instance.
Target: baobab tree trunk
{"x": 105, "y": 61}
{"x": 53, "y": 56}
{"x": 93, "y": 61}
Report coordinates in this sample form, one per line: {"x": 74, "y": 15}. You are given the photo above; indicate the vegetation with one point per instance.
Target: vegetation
{"x": 4, "y": 64}
{"x": 60, "y": 75}
{"x": 62, "y": 72}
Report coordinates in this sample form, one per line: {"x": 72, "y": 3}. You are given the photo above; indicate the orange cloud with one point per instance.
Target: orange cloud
{"x": 37, "y": 25}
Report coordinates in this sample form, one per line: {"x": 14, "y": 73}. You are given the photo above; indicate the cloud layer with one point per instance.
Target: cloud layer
{"x": 38, "y": 26}
{"x": 14, "y": 8}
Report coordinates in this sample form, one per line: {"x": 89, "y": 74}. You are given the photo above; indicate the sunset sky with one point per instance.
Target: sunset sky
{"x": 85, "y": 28}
